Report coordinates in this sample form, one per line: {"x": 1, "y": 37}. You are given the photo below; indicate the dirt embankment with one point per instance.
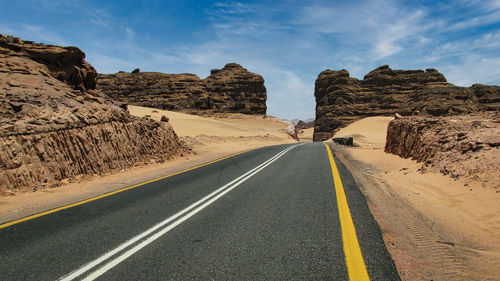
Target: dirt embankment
{"x": 460, "y": 146}
{"x": 55, "y": 126}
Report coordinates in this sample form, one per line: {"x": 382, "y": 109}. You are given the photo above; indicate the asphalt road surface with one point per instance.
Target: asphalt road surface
{"x": 275, "y": 213}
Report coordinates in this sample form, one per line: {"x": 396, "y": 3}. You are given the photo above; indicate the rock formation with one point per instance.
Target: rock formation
{"x": 53, "y": 125}
{"x": 459, "y": 146}
{"x": 341, "y": 99}
{"x": 230, "y": 90}
{"x": 301, "y": 125}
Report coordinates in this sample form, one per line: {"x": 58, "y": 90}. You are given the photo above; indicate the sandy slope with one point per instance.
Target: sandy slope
{"x": 435, "y": 227}
{"x": 221, "y": 133}
{"x": 210, "y": 138}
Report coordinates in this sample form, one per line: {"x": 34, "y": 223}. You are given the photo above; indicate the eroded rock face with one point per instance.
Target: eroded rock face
{"x": 230, "y": 90}
{"x": 66, "y": 64}
{"x": 341, "y": 99}
{"x": 53, "y": 125}
{"x": 459, "y": 146}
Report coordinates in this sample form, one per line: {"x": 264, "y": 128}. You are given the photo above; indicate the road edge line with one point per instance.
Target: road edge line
{"x": 356, "y": 267}
{"x": 78, "y": 203}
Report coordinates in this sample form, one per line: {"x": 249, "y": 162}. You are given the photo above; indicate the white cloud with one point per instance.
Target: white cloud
{"x": 127, "y": 55}
{"x": 483, "y": 19}
{"x": 35, "y": 33}
{"x": 129, "y": 33}
{"x": 291, "y": 89}
{"x": 101, "y": 18}
{"x": 55, "y": 4}
{"x": 489, "y": 40}
{"x": 382, "y": 26}
{"x": 289, "y": 45}
{"x": 231, "y": 8}
{"x": 107, "y": 64}
{"x": 392, "y": 36}
{"x": 473, "y": 69}
{"x": 7, "y": 30}
{"x": 495, "y": 4}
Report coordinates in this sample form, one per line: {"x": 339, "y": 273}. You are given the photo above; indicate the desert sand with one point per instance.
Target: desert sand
{"x": 210, "y": 138}
{"x": 434, "y": 226}
{"x": 222, "y": 133}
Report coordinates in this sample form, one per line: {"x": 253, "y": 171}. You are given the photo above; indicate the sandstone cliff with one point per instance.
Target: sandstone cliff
{"x": 53, "y": 125}
{"x": 459, "y": 146}
{"x": 232, "y": 90}
{"x": 341, "y": 99}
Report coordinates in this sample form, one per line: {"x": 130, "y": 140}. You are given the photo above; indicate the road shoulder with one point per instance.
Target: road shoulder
{"x": 420, "y": 241}
{"x": 84, "y": 187}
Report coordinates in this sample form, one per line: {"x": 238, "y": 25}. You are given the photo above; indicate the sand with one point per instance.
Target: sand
{"x": 435, "y": 227}
{"x": 210, "y": 138}
{"x": 222, "y": 133}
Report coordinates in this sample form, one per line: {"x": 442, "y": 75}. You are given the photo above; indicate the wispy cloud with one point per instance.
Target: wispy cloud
{"x": 231, "y": 8}
{"x": 473, "y": 69}
{"x": 101, "y": 18}
{"x": 382, "y": 27}
{"x": 392, "y": 36}
{"x": 483, "y": 19}
{"x": 288, "y": 42}
{"x": 490, "y": 40}
{"x": 55, "y": 4}
{"x": 36, "y": 33}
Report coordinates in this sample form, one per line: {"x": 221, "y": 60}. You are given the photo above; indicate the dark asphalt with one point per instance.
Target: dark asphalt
{"x": 280, "y": 224}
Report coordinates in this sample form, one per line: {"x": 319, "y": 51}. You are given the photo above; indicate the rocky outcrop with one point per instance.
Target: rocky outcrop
{"x": 229, "y": 90}
{"x": 459, "y": 146}
{"x": 341, "y": 99}
{"x": 54, "y": 125}
{"x": 301, "y": 125}
{"x": 66, "y": 64}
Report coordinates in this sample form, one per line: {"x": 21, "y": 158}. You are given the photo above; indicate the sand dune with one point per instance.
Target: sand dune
{"x": 220, "y": 125}
{"x": 223, "y": 133}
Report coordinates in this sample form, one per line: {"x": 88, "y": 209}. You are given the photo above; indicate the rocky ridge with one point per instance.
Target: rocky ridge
{"x": 54, "y": 125}
{"x": 460, "y": 146}
{"x": 341, "y": 99}
{"x": 229, "y": 90}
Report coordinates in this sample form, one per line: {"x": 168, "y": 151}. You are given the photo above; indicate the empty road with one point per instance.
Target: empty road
{"x": 287, "y": 212}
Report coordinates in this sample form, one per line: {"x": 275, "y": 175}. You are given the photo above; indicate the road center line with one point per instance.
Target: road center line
{"x": 356, "y": 267}
{"x": 199, "y": 205}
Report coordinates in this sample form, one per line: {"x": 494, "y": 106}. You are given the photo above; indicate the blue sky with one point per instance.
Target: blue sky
{"x": 288, "y": 42}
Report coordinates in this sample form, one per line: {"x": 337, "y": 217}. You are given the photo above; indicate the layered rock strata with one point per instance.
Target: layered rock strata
{"x": 54, "y": 125}
{"x": 229, "y": 90}
{"x": 459, "y": 146}
{"x": 341, "y": 99}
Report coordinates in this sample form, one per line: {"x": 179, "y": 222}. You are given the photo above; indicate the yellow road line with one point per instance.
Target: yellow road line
{"x": 356, "y": 267}
{"x": 112, "y": 192}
